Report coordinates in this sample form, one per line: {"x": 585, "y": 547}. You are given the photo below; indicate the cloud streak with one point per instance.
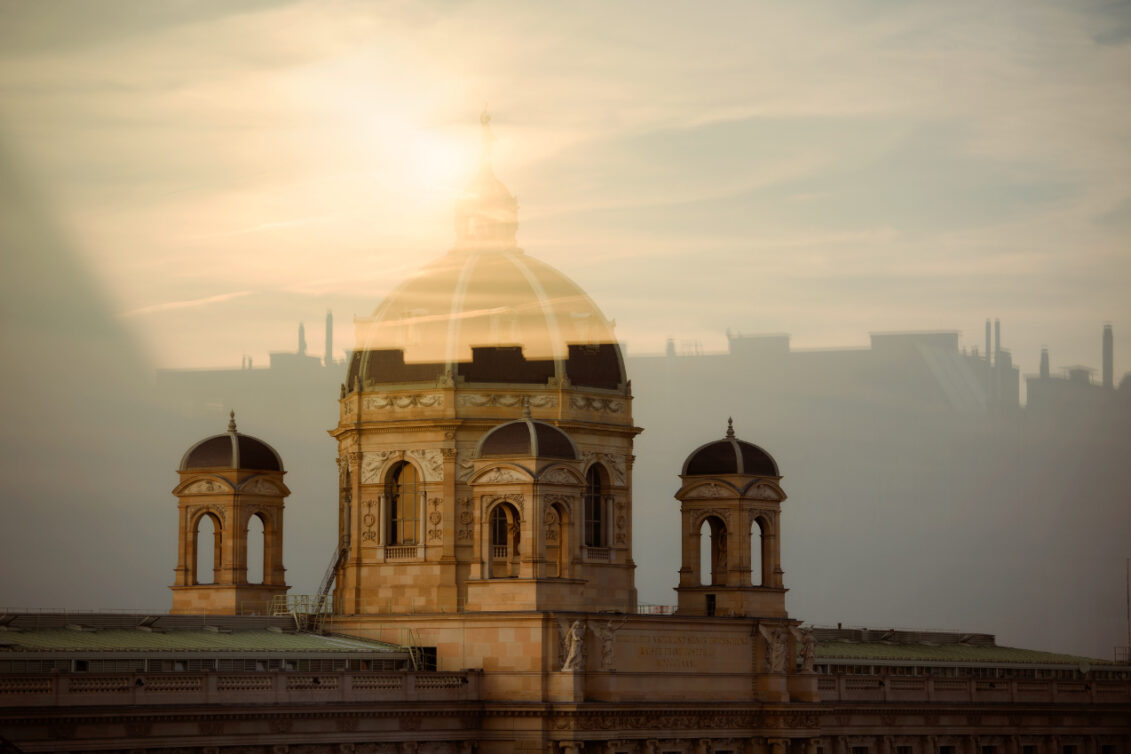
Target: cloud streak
{"x": 195, "y": 303}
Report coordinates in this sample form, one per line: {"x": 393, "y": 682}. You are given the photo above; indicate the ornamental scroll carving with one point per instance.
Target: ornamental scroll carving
{"x": 614, "y": 463}
{"x": 220, "y": 514}
{"x": 621, "y": 522}
{"x": 499, "y": 475}
{"x": 206, "y": 487}
{"x": 465, "y": 466}
{"x": 465, "y": 518}
{"x": 586, "y": 403}
{"x": 371, "y": 464}
{"x": 764, "y": 492}
{"x": 552, "y": 520}
{"x": 710, "y": 490}
{"x": 515, "y": 499}
{"x": 431, "y": 461}
{"x": 559, "y": 475}
{"x": 435, "y": 532}
{"x": 260, "y": 486}
{"x": 414, "y": 400}
{"x": 369, "y": 521}
{"x": 504, "y": 400}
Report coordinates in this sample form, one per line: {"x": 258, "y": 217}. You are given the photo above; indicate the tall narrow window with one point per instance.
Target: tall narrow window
{"x": 402, "y": 495}
{"x": 594, "y": 518}
{"x": 256, "y": 549}
{"x": 499, "y": 526}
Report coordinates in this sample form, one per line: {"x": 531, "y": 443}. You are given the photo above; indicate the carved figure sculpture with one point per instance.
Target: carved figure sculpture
{"x": 605, "y": 634}
{"x": 775, "y": 648}
{"x": 575, "y": 655}
{"x": 808, "y": 650}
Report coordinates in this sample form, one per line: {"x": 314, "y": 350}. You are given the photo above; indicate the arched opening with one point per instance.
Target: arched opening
{"x": 504, "y": 535}
{"x": 712, "y": 552}
{"x": 256, "y": 549}
{"x": 402, "y": 495}
{"x": 206, "y": 549}
{"x": 557, "y": 542}
{"x": 595, "y": 484}
{"x": 760, "y": 564}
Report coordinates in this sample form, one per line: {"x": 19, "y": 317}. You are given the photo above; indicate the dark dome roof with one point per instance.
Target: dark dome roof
{"x": 231, "y": 450}
{"x": 526, "y": 437}
{"x": 730, "y": 456}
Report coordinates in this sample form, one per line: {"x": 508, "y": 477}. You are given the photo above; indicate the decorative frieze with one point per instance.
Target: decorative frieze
{"x": 411, "y": 400}
{"x": 504, "y": 400}
{"x": 500, "y": 475}
{"x": 601, "y": 405}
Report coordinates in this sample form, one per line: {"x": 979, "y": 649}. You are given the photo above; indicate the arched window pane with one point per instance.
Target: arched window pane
{"x": 207, "y": 550}
{"x": 594, "y": 518}
{"x": 255, "y": 547}
{"x": 402, "y": 495}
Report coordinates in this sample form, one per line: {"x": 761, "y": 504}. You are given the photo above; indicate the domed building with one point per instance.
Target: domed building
{"x": 445, "y": 504}
{"x": 483, "y": 592}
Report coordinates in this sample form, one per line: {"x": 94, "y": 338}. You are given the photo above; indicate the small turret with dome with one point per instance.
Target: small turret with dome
{"x": 227, "y": 480}
{"x": 729, "y": 488}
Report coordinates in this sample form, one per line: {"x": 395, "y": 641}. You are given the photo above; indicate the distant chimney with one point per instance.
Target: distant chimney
{"x": 328, "y": 358}
{"x": 988, "y": 352}
{"x": 1044, "y": 363}
{"x": 669, "y": 349}
{"x": 997, "y": 339}
{"x": 1109, "y": 352}
{"x": 301, "y": 340}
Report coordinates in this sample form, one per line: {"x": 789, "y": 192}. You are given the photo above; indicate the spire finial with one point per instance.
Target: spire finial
{"x": 526, "y": 407}
{"x": 232, "y": 421}
{"x": 488, "y": 137}
{"x": 730, "y": 427}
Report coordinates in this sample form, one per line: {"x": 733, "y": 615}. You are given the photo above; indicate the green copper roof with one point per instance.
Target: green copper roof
{"x": 953, "y": 652}
{"x": 134, "y": 640}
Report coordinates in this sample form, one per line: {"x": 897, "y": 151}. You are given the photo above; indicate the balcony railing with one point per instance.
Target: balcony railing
{"x": 500, "y": 552}
{"x": 401, "y": 552}
{"x": 598, "y": 553}
{"x": 267, "y": 687}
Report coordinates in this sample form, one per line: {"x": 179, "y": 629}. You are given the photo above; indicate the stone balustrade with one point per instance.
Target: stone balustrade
{"x": 846, "y": 688}
{"x": 271, "y": 687}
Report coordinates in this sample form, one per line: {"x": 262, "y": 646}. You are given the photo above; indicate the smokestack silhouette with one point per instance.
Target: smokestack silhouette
{"x": 328, "y": 358}
{"x": 1109, "y": 353}
{"x": 1044, "y": 363}
{"x": 988, "y": 351}
{"x": 997, "y": 340}
{"x": 301, "y": 340}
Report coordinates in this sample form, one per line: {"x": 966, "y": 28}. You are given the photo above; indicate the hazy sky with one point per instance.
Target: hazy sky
{"x": 228, "y": 169}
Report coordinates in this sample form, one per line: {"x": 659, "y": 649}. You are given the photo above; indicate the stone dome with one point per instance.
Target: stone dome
{"x": 486, "y": 312}
{"x": 231, "y": 450}
{"x": 526, "y": 437}
{"x": 730, "y": 456}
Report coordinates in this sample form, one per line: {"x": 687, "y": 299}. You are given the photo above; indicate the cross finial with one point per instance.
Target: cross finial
{"x": 232, "y": 421}
{"x": 730, "y": 427}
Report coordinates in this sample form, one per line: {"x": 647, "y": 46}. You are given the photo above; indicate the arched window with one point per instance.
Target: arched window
{"x": 503, "y": 531}
{"x": 256, "y": 549}
{"x": 206, "y": 549}
{"x": 759, "y": 554}
{"x": 402, "y": 497}
{"x": 712, "y": 552}
{"x": 594, "y": 508}
{"x": 499, "y": 530}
